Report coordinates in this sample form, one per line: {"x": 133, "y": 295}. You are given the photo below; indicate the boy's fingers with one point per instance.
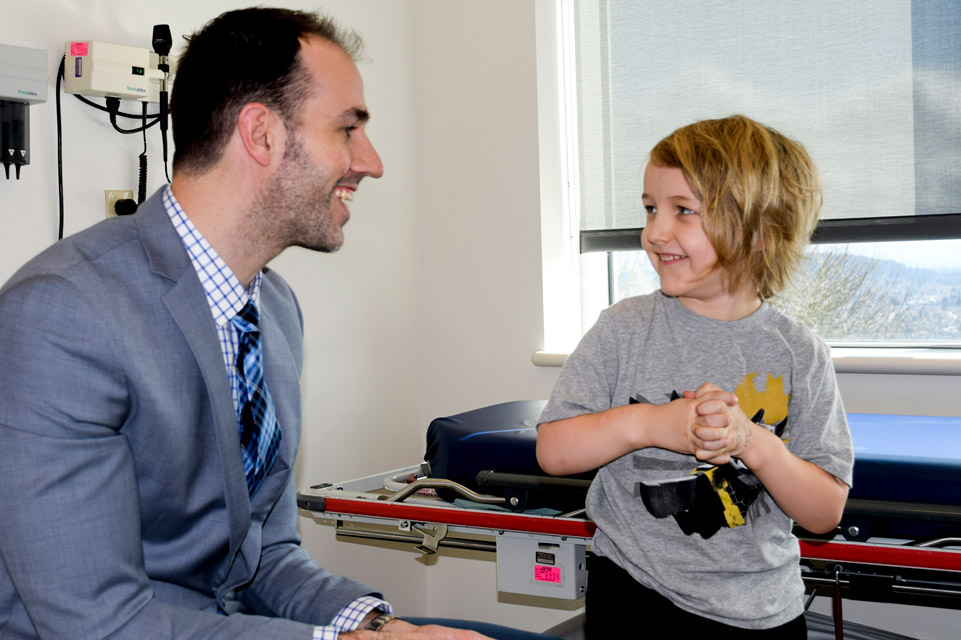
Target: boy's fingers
{"x": 710, "y": 437}
{"x": 713, "y": 416}
{"x": 719, "y": 395}
{"x": 707, "y": 387}
{"x": 710, "y": 407}
{"x": 712, "y": 457}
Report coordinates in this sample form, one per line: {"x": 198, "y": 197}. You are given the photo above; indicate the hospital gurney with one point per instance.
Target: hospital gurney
{"x": 899, "y": 541}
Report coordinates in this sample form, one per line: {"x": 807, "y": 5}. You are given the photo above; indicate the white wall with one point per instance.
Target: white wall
{"x": 433, "y": 306}
{"x": 478, "y": 201}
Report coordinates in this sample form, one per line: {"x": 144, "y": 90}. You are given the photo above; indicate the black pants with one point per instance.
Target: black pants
{"x": 619, "y": 607}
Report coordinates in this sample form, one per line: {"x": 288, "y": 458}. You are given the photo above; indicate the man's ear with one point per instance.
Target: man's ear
{"x": 259, "y": 129}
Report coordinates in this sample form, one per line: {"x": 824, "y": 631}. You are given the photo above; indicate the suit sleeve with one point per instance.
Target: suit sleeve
{"x": 289, "y": 583}
{"x": 70, "y": 531}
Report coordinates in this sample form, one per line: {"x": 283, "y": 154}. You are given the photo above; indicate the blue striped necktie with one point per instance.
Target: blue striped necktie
{"x": 259, "y": 431}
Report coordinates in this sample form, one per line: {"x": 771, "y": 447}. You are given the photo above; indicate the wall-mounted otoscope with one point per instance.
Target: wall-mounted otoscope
{"x": 118, "y": 72}
{"x": 23, "y": 81}
{"x": 162, "y": 41}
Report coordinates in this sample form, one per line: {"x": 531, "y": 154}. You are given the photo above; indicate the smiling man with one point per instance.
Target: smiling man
{"x": 151, "y": 364}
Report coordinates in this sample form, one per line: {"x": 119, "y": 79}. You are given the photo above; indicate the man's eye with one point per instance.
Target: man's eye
{"x": 348, "y": 130}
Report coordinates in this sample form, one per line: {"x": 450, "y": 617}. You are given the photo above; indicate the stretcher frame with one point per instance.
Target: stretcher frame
{"x": 544, "y": 555}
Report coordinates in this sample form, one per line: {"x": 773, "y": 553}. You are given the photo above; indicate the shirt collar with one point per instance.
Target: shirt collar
{"x": 225, "y": 293}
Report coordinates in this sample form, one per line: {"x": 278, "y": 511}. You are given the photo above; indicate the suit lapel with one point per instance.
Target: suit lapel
{"x": 188, "y": 307}
{"x": 282, "y": 382}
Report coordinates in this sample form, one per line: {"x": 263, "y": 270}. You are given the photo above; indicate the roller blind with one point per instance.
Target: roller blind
{"x": 873, "y": 91}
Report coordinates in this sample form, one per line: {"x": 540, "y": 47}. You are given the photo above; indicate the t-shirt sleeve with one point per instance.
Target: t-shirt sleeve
{"x": 820, "y": 432}
{"x": 588, "y": 378}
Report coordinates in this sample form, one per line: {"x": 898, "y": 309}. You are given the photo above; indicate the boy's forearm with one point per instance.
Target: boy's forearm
{"x": 589, "y": 441}
{"x": 808, "y": 494}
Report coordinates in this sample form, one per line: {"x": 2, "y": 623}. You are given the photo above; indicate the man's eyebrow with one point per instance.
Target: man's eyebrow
{"x": 356, "y": 113}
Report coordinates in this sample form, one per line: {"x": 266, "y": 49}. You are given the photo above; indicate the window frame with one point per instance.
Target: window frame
{"x": 942, "y": 226}
{"x": 890, "y": 229}
{"x": 568, "y": 253}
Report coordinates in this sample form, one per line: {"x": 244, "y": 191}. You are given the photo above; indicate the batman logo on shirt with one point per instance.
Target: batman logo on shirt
{"x": 712, "y": 496}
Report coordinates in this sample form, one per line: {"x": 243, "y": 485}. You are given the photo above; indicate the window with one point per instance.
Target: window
{"x": 873, "y": 90}
{"x": 878, "y": 293}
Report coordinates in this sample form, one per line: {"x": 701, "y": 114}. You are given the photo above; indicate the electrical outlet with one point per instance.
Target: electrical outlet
{"x": 111, "y": 196}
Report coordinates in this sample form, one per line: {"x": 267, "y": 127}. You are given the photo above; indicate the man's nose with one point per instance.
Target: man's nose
{"x": 366, "y": 160}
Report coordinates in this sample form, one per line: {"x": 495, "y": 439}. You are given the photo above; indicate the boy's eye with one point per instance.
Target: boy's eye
{"x": 684, "y": 211}
{"x": 651, "y": 209}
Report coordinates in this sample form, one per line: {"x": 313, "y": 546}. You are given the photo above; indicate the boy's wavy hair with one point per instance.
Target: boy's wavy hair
{"x": 759, "y": 191}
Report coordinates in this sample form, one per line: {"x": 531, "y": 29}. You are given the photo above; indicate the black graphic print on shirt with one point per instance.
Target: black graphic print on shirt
{"x": 710, "y": 497}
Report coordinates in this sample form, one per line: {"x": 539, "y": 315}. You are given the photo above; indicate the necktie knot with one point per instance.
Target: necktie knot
{"x": 248, "y": 318}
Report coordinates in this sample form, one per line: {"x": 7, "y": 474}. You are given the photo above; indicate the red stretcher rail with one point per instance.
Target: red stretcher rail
{"x": 524, "y": 523}
{"x": 882, "y": 555}
{"x": 875, "y": 554}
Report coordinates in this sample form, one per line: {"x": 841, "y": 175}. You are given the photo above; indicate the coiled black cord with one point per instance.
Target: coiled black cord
{"x": 56, "y": 90}
{"x": 142, "y": 186}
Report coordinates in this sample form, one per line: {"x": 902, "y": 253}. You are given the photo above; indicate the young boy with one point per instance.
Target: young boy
{"x": 715, "y": 420}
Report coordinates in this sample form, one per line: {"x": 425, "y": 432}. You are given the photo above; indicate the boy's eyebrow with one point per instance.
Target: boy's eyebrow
{"x": 675, "y": 198}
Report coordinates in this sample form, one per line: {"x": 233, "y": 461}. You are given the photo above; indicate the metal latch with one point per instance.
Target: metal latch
{"x": 433, "y": 534}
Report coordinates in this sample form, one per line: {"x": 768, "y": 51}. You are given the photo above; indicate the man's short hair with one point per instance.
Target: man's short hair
{"x": 760, "y": 193}
{"x": 243, "y": 56}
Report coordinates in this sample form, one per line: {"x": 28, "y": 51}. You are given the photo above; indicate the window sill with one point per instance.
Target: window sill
{"x": 897, "y": 360}
{"x": 883, "y": 360}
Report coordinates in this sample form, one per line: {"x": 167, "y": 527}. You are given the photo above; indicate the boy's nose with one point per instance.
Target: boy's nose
{"x": 657, "y": 230}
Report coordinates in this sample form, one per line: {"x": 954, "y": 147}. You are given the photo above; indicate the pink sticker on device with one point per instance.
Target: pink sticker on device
{"x": 78, "y": 48}
{"x": 547, "y": 574}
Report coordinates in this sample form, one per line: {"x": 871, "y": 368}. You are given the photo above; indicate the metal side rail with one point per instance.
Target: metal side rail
{"x": 393, "y": 506}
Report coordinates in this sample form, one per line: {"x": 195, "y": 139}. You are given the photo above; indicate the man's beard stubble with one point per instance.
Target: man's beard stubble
{"x": 295, "y": 209}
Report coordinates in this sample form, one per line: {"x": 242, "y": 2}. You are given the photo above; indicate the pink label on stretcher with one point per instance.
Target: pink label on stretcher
{"x": 78, "y": 48}
{"x": 547, "y": 574}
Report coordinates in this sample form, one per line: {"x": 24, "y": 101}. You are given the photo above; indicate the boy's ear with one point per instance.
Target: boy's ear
{"x": 259, "y": 129}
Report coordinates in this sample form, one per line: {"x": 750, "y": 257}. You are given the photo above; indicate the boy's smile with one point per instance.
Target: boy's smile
{"x": 680, "y": 251}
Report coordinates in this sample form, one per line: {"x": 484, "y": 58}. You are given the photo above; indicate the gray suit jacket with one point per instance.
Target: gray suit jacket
{"x": 123, "y": 507}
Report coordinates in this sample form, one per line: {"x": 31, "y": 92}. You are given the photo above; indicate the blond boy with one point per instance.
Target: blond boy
{"x": 715, "y": 419}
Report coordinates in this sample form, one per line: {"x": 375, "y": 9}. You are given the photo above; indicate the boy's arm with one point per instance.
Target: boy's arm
{"x": 808, "y": 494}
{"x": 811, "y": 496}
{"x": 588, "y": 441}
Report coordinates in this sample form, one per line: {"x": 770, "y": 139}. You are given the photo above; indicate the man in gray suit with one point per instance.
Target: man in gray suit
{"x": 134, "y": 501}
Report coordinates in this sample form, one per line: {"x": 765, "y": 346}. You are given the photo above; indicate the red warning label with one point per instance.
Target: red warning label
{"x": 547, "y": 574}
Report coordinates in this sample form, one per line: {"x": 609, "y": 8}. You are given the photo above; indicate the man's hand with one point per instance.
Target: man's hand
{"x": 403, "y": 630}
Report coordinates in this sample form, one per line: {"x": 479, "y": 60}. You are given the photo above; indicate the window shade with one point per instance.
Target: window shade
{"x": 873, "y": 91}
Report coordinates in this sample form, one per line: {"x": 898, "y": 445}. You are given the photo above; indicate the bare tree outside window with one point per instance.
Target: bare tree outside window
{"x": 844, "y": 296}
{"x": 863, "y": 294}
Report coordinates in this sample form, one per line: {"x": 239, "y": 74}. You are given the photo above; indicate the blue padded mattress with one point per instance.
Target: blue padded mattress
{"x": 907, "y": 470}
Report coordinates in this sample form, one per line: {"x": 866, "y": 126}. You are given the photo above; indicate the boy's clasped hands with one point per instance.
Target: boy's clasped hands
{"x": 720, "y": 429}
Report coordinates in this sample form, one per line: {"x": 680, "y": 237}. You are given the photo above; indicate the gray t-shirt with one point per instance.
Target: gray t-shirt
{"x": 642, "y": 350}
